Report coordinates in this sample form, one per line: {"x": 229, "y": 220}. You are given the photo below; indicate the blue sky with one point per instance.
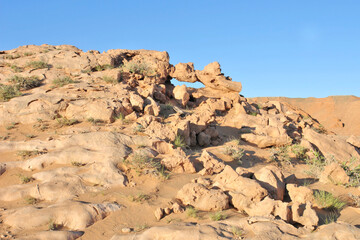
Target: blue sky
{"x": 275, "y": 48}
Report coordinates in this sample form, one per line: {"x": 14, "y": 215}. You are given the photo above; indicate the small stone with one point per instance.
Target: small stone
{"x": 126, "y": 230}
{"x": 167, "y": 211}
{"x": 177, "y": 208}
{"x": 159, "y": 213}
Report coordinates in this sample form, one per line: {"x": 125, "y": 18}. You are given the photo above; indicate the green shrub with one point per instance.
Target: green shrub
{"x": 25, "y": 179}
{"x": 25, "y": 83}
{"x": 10, "y": 57}
{"x": 16, "y": 68}
{"x": 66, "y": 122}
{"x": 31, "y": 200}
{"x": 100, "y": 68}
{"x": 217, "y": 216}
{"x": 299, "y": 151}
{"x": 141, "y": 160}
{"x": 191, "y": 212}
{"x": 237, "y": 232}
{"x": 60, "y": 82}
{"x": 316, "y": 164}
{"x": 352, "y": 169}
{"x": 26, "y": 54}
{"x": 27, "y": 154}
{"x": 139, "y": 198}
{"x": 8, "y": 92}
{"x": 111, "y": 80}
{"x": 235, "y": 152}
{"x": 253, "y": 113}
{"x": 138, "y": 68}
{"x": 179, "y": 141}
{"x": 37, "y": 65}
{"x": 166, "y": 110}
{"x": 327, "y": 200}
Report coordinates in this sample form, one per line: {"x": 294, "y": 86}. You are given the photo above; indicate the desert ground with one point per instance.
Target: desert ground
{"x": 103, "y": 146}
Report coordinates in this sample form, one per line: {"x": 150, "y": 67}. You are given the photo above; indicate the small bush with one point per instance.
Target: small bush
{"x": 138, "y": 68}
{"x": 11, "y": 126}
{"x": 320, "y": 129}
{"x": 253, "y": 113}
{"x": 327, "y": 200}
{"x": 37, "y": 65}
{"x": 138, "y": 128}
{"x": 191, "y": 212}
{"x": 95, "y": 122}
{"x": 25, "y": 83}
{"x": 66, "y": 122}
{"x": 60, "y": 82}
{"x": 316, "y": 164}
{"x": 141, "y": 160}
{"x": 111, "y": 80}
{"x": 26, "y": 54}
{"x": 77, "y": 164}
{"x": 8, "y": 92}
{"x": 330, "y": 217}
{"x": 299, "y": 151}
{"x": 25, "y": 179}
{"x": 100, "y": 68}
{"x": 166, "y": 110}
{"x": 217, "y": 216}
{"x": 352, "y": 169}
{"x": 237, "y": 232}
{"x": 16, "y": 68}
{"x": 31, "y": 200}
{"x": 27, "y": 154}
{"x": 10, "y": 57}
{"x": 179, "y": 141}
{"x": 53, "y": 226}
{"x": 139, "y": 198}
{"x": 236, "y": 153}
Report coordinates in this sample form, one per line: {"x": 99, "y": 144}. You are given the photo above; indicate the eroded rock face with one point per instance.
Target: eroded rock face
{"x": 211, "y": 77}
{"x": 201, "y": 198}
{"x": 211, "y": 163}
{"x": 76, "y": 216}
{"x": 272, "y": 179}
{"x": 335, "y": 174}
{"x": 243, "y": 191}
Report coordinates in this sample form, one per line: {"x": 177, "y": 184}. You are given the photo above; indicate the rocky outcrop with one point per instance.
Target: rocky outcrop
{"x": 211, "y": 77}
{"x": 198, "y": 196}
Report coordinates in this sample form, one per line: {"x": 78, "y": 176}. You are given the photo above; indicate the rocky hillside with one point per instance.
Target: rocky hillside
{"x": 104, "y": 146}
{"x": 339, "y": 114}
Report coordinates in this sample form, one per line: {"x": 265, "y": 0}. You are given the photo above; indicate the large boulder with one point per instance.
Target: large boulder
{"x": 300, "y": 194}
{"x": 211, "y": 163}
{"x": 198, "y": 196}
{"x": 243, "y": 191}
{"x": 335, "y": 174}
{"x": 181, "y": 94}
{"x": 272, "y": 179}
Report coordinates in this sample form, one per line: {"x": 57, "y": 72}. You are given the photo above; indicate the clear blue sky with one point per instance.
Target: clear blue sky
{"x": 275, "y": 48}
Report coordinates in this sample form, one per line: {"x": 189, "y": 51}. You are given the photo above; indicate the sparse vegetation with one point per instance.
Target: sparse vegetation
{"x": 330, "y": 217}
{"x": 141, "y": 160}
{"x": 60, "y": 82}
{"x": 31, "y": 200}
{"x": 10, "y": 57}
{"x": 16, "y": 69}
{"x": 299, "y": 151}
{"x": 138, "y": 68}
{"x": 77, "y": 164}
{"x": 11, "y": 126}
{"x": 100, "y": 68}
{"x": 27, "y": 154}
{"x": 25, "y": 179}
{"x": 62, "y": 121}
{"x": 253, "y": 113}
{"x": 37, "y": 65}
{"x": 352, "y": 169}
{"x": 8, "y": 92}
{"x": 138, "y": 128}
{"x": 235, "y": 152}
{"x": 179, "y": 141}
{"x": 328, "y": 201}
{"x": 320, "y": 129}
{"x": 316, "y": 164}
{"x": 217, "y": 216}
{"x": 26, "y": 54}
{"x": 95, "y": 122}
{"x": 110, "y": 80}
{"x": 192, "y": 212}
{"x": 53, "y": 226}
{"x": 30, "y": 136}
{"x": 166, "y": 110}
{"x": 25, "y": 83}
{"x": 237, "y": 232}
{"x": 281, "y": 155}
{"x": 142, "y": 227}
{"x": 139, "y": 198}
